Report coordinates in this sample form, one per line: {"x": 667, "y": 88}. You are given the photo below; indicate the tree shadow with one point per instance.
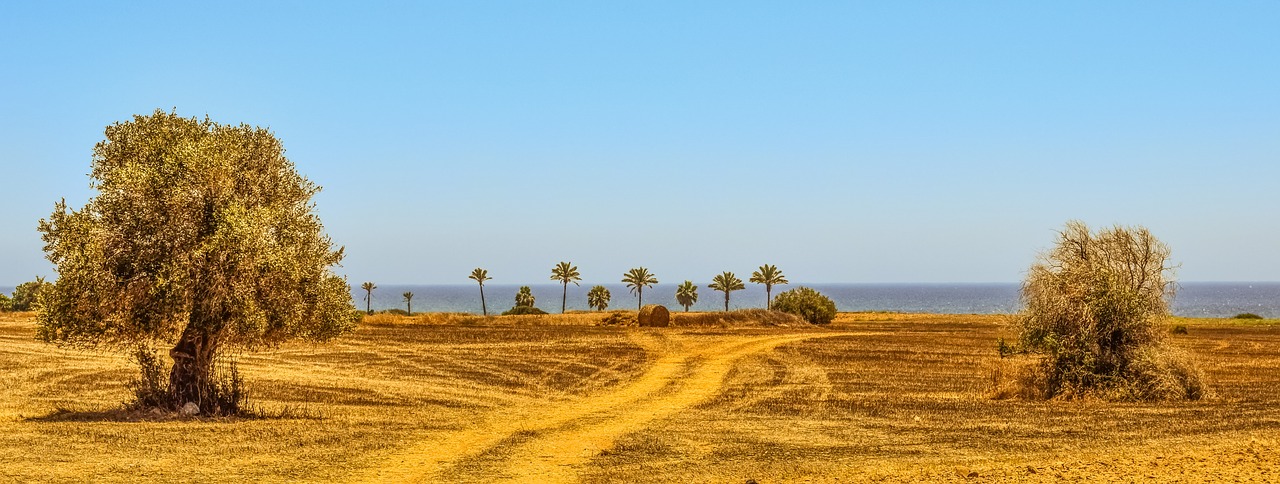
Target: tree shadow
{"x": 126, "y": 415}
{"x": 109, "y": 415}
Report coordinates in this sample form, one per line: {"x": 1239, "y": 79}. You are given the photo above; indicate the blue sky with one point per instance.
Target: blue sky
{"x": 842, "y": 141}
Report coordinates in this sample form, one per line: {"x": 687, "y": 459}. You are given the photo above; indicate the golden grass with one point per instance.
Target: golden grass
{"x": 875, "y": 396}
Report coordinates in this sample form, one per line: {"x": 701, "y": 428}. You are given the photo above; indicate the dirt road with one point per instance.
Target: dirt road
{"x": 548, "y": 442}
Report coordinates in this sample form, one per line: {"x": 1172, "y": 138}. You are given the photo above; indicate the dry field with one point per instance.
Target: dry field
{"x": 446, "y": 398}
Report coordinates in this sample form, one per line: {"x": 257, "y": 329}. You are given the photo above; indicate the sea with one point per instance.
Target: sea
{"x": 1193, "y": 299}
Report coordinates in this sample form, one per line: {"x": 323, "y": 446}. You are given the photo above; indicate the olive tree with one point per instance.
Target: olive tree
{"x": 202, "y": 236}
{"x": 1096, "y": 307}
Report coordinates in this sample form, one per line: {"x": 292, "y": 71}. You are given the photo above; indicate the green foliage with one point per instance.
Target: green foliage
{"x": 27, "y": 295}
{"x": 687, "y": 294}
{"x": 1246, "y": 316}
{"x": 524, "y": 297}
{"x": 480, "y": 275}
{"x": 1178, "y": 329}
{"x": 598, "y": 297}
{"x": 727, "y": 283}
{"x": 200, "y": 234}
{"x": 637, "y": 279}
{"x": 807, "y": 303}
{"x": 769, "y": 275}
{"x": 6, "y": 304}
{"x": 523, "y": 310}
{"x": 565, "y": 273}
{"x": 1096, "y": 306}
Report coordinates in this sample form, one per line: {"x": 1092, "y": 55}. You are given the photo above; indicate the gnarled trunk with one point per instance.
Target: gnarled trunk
{"x": 191, "y": 379}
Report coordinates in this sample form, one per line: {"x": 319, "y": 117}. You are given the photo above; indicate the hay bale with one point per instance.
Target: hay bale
{"x": 655, "y": 315}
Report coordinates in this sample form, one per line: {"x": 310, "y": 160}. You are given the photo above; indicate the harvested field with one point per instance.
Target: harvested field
{"x": 551, "y": 399}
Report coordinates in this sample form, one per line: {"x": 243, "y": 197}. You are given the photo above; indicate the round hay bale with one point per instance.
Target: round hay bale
{"x": 655, "y": 315}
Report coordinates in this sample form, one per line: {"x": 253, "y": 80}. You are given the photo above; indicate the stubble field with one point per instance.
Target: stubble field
{"x": 872, "y": 397}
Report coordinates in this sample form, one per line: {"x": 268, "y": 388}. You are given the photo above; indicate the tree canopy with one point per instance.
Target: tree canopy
{"x": 726, "y": 282}
{"x": 200, "y": 234}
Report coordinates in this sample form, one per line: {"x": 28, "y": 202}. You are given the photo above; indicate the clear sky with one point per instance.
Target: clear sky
{"x": 842, "y": 141}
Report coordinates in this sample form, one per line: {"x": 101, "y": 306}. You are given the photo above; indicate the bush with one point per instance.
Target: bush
{"x": 397, "y": 312}
{"x": 27, "y": 294}
{"x": 151, "y": 387}
{"x": 1246, "y": 316}
{"x": 6, "y": 304}
{"x": 1095, "y": 316}
{"x": 1178, "y": 329}
{"x": 807, "y": 303}
{"x": 523, "y": 310}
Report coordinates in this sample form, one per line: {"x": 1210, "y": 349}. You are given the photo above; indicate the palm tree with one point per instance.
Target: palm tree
{"x": 728, "y": 283}
{"x": 565, "y": 273}
{"x": 368, "y": 296}
{"x": 768, "y": 275}
{"x": 481, "y": 275}
{"x": 687, "y": 294}
{"x": 598, "y": 297}
{"x": 637, "y": 279}
{"x": 408, "y": 299}
{"x": 524, "y": 297}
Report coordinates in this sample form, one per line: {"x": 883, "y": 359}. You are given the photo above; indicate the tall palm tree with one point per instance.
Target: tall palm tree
{"x": 598, "y": 297}
{"x": 728, "y": 283}
{"x": 637, "y": 279}
{"x": 565, "y": 273}
{"x": 768, "y": 275}
{"x": 480, "y": 275}
{"x": 687, "y": 295}
{"x": 368, "y": 296}
{"x": 408, "y": 299}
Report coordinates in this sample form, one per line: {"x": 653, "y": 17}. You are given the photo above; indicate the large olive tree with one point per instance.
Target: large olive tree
{"x": 202, "y": 236}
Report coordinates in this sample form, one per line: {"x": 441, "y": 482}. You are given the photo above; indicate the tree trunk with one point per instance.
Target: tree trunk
{"x": 768, "y": 296}
{"x": 410, "y": 304}
{"x": 639, "y": 297}
{"x": 483, "y": 308}
{"x": 368, "y": 302}
{"x": 726, "y": 301}
{"x": 191, "y": 379}
{"x": 563, "y": 296}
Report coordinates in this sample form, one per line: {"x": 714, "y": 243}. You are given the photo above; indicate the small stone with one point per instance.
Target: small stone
{"x": 190, "y": 409}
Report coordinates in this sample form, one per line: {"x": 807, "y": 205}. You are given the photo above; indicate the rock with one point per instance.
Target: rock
{"x": 190, "y": 409}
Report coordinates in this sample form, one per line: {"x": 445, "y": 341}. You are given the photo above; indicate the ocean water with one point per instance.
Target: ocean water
{"x": 1200, "y": 299}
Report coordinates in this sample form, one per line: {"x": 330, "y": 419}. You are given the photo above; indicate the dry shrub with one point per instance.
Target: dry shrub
{"x": 738, "y": 318}
{"x": 620, "y": 318}
{"x": 1096, "y": 312}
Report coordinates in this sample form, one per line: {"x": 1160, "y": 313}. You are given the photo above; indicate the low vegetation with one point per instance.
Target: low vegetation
{"x": 1097, "y": 307}
{"x": 1246, "y": 316}
{"x": 894, "y": 397}
{"x": 808, "y": 304}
